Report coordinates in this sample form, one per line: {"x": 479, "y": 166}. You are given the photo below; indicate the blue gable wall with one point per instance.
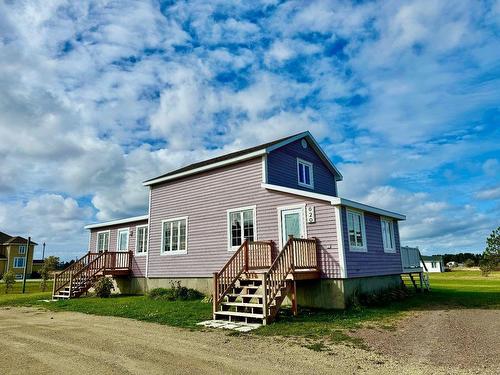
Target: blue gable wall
{"x": 282, "y": 169}
{"x": 375, "y": 261}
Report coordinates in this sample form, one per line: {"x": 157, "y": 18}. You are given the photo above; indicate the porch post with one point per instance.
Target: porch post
{"x": 215, "y": 295}
{"x": 294, "y": 298}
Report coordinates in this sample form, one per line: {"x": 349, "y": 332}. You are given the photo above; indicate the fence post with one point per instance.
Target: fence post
{"x": 215, "y": 295}
{"x": 264, "y": 298}
{"x": 245, "y": 256}
{"x": 54, "y": 284}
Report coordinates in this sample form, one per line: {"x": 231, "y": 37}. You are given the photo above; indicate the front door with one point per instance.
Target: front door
{"x": 292, "y": 224}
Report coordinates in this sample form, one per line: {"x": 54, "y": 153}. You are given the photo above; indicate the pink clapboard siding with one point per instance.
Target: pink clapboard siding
{"x": 205, "y": 199}
{"x": 138, "y": 261}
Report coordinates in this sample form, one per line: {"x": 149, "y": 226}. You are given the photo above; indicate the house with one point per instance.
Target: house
{"x": 13, "y": 255}
{"x": 434, "y": 263}
{"x": 452, "y": 264}
{"x": 250, "y": 227}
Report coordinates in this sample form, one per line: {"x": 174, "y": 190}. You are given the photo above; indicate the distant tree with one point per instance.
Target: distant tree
{"x": 51, "y": 263}
{"x": 9, "y": 278}
{"x": 45, "y": 275}
{"x": 491, "y": 255}
{"x": 469, "y": 263}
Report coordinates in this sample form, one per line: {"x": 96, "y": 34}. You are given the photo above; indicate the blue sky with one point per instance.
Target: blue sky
{"x": 96, "y": 97}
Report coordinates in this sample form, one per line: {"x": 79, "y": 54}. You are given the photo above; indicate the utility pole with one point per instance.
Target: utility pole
{"x": 26, "y": 263}
{"x": 43, "y": 252}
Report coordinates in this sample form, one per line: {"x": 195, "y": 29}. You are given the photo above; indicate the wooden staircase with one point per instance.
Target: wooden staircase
{"x": 80, "y": 276}
{"x": 415, "y": 276}
{"x": 252, "y": 285}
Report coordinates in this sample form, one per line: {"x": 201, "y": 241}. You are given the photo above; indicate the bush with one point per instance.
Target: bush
{"x": 486, "y": 266}
{"x": 103, "y": 287}
{"x": 469, "y": 263}
{"x": 9, "y": 278}
{"x": 175, "y": 293}
{"x": 44, "y": 275}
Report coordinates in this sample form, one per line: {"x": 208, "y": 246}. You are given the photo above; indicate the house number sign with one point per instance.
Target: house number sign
{"x": 311, "y": 214}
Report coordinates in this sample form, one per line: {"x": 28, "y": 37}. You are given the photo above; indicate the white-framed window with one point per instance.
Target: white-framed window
{"x": 19, "y": 262}
{"x": 122, "y": 240}
{"x": 102, "y": 243}
{"x": 356, "y": 228}
{"x": 22, "y": 249}
{"x": 174, "y": 236}
{"x": 305, "y": 173}
{"x": 388, "y": 235}
{"x": 241, "y": 225}
{"x": 19, "y": 276}
{"x": 141, "y": 239}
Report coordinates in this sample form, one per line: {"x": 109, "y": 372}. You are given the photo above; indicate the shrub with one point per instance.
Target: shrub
{"x": 103, "y": 287}
{"x": 486, "y": 266}
{"x": 9, "y": 278}
{"x": 175, "y": 293}
{"x": 44, "y": 275}
{"x": 469, "y": 263}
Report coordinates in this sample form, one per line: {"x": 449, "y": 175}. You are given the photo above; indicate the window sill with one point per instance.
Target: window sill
{"x": 390, "y": 251}
{"x": 140, "y": 254}
{"x": 358, "y": 249}
{"x": 305, "y": 185}
{"x": 173, "y": 253}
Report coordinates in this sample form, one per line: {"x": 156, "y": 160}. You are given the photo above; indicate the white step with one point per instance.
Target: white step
{"x": 245, "y": 295}
{"x": 242, "y": 304}
{"x": 240, "y": 314}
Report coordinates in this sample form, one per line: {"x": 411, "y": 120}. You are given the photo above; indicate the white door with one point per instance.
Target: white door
{"x": 292, "y": 224}
{"x": 122, "y": 240}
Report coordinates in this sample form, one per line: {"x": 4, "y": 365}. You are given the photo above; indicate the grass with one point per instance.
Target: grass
{"x": 32, "y": 293}
{"x": 458, "y": 289}
{"x": 450, "y": 290}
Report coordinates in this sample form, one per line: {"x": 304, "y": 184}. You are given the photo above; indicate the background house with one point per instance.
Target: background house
{"x": 13, "y": 254}
{"x": 434, "y": 263}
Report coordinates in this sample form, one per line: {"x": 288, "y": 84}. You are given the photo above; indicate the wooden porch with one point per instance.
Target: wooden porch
{"x": 80, "y": 276}
{"x": 253, "y": 283}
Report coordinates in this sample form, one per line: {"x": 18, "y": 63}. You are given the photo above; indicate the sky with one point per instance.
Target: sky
{"x": 97, "y": 96}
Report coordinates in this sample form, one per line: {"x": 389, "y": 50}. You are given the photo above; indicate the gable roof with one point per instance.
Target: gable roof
{"x": 18, "y": 240}
{"x": 238, "y": 156}
{"x": 4, "y": 237}
{"x": 435, "y": 258}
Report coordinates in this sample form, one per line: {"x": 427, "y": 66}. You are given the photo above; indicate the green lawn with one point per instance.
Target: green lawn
{"x": 458, "y": 289}
{"x": 32, "y": 293}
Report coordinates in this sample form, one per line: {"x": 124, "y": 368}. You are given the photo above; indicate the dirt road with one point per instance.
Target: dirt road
{"x": 42, "y": 342}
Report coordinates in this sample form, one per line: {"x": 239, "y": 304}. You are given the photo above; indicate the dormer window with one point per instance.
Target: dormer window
{"x": 305, "y": 174}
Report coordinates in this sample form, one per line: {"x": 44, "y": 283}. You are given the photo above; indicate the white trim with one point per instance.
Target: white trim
{"x": 392, "y": 249}
{"x": 359, "y": 249}
{"x": 149, "y": 235}
{"x": 264, "y": 169}
{"x": 173, "y": 252}
{"x": 206, "y": 167}
{"x": 311, "y": 174}
{"x": 115, "y": 222}
{"x": 97, "y": 239}
{"x": 280, "y": 209}
{"x": 238, "y": 209}
{"x": 336, "y": 201}
{"x": 118, "y": 238}
{"x": 145, "y": 252}
{"x": 340, "y": 241}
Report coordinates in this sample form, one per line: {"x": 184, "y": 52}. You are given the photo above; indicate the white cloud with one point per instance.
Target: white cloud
{"x": 489, "y": 194}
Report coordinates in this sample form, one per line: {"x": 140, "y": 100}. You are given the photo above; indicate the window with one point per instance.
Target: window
{"x": 433, "y": 264}
{"x": 141, "y": 244}
{"x": 18, "y": 262}
{"x": 388, "y": 235}
{"x": 305, "y": 173}
{"x": 356, "y": 226}
{"x": 122, "y": 244}
{"x": 241, "y": 226}
{"x": 175, "y": 236}
{"x": 103, "y": 241}
{"x": 22, "y": 249}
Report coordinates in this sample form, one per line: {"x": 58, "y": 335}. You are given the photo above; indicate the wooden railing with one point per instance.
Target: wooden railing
{"x": 260, "y": 254}
{"x": 91, "y": 263}
{"x": 249, "y": 256}
{"x": 297, "y": 253}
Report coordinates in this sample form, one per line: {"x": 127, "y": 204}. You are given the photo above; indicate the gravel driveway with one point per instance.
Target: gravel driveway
{"x": 42, "y": 342}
